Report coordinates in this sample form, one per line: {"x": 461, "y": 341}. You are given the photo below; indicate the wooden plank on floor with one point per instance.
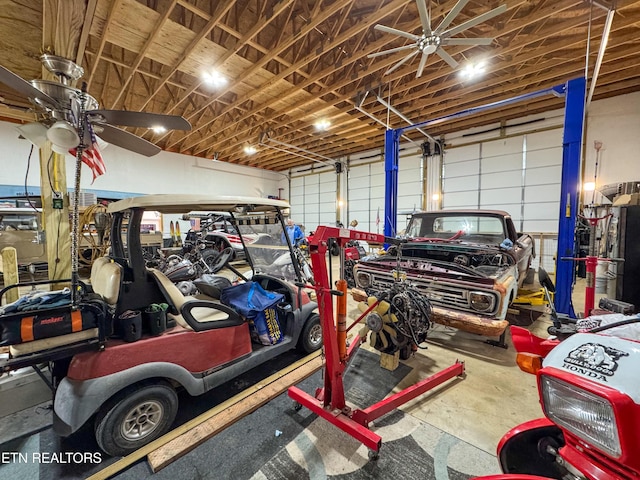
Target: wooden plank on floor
{"x": 310, "y": 362}
{"x": 193, "y": 437}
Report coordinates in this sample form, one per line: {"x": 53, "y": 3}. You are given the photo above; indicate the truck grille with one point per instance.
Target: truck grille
{"x": 440, "y": 293}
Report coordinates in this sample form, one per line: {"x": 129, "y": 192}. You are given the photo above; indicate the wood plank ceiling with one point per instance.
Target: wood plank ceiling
{"x": 290, "y": 63}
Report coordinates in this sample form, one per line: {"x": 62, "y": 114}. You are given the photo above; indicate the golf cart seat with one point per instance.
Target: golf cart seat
{"x": 195, "y": 313}
{"x": 106, "y": 277}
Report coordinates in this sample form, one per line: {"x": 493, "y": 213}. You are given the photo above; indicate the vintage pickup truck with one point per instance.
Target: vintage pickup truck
{"x": 469, "y": 263}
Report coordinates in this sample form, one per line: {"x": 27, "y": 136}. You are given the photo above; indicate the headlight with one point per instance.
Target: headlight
{"x": 584, "y": 414}
{"x": 363, "y": 280}
{"x": 482, "y": 302}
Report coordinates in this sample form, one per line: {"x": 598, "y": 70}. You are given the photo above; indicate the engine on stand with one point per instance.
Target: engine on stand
{"x": 400, "y": 322}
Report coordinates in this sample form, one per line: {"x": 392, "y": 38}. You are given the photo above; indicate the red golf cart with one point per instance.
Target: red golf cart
{"x": 119, "y": 370}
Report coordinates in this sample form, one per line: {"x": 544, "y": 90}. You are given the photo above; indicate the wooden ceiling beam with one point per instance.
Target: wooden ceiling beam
{"x": 102, "y": 42}
{"x": 213, "y": 21}
{"x": 157, "y": 28}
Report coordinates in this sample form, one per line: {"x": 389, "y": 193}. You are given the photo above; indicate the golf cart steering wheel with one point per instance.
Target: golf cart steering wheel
{"x": 219, "y": 263}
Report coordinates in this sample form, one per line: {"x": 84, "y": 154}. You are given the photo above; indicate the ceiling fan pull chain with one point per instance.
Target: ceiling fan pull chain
{"x": 76, "y": 197}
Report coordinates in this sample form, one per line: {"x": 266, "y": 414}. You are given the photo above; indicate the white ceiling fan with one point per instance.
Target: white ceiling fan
{"x": 57, "y": 107}
{"x": 433, "y": 40}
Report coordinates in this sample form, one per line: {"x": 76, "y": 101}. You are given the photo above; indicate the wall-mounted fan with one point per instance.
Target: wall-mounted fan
{"x": 433, "y": 40}
{"x": 58, "y": 107}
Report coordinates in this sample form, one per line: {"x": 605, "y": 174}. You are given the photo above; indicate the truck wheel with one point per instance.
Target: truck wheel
{"x": 135, "y": 417}
{"x": 311, "y": 335}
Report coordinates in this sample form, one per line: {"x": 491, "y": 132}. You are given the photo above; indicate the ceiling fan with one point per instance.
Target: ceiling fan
{"x": 63, "y": 111}
{"x": 433, "y": 40}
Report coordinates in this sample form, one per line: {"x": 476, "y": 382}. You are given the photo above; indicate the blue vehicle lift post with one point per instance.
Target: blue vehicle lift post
{"x": 574, "y": 92}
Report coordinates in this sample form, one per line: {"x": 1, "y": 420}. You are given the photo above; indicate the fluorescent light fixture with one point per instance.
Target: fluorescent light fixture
{"x": 159, "y": 129}
{"x": 322, "y": 125}
{"x": 214, "y": 78}
{"x": 250, "y": 149}
{"x": 473, "y": 70}
{"x": 589, "y": 186}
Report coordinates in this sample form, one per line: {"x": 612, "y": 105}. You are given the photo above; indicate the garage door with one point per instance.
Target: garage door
{"x": 313, "y": 200}
{"x": 520, "y": 175}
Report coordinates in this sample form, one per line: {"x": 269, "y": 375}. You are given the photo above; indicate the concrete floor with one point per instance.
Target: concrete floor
{"x": 475, "y": 411}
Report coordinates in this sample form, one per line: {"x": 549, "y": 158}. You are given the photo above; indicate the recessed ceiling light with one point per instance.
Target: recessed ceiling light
{"x": 214, "y": 78}
{"x": 159, "y": 129}
{"x": 250, "y": 149}
{"x": 473, "y": 70}
{"x": 322, "y": 125}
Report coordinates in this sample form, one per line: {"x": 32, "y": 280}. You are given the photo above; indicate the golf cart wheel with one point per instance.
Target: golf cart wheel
{"x": 135, "y": 417}
{"x": 311, "y": 335}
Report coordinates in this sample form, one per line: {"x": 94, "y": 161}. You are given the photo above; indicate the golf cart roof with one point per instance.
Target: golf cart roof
{"x": 169, "y": 203}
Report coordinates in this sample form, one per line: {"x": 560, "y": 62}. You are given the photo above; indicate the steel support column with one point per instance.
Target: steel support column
{"x": 391, "y": 150}
{"x": 569, "y": 192}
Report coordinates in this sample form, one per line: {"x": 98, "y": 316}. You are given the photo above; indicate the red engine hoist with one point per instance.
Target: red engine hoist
{"x": 329, "y": 401}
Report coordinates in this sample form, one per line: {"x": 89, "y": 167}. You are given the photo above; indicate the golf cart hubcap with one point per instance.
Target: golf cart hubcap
{"x": 142, "y": 420}
{"x": 315, "y": 335}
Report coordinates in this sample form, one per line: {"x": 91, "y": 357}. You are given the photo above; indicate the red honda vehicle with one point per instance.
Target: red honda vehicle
{"x": 590, "y": 396}
{"x": 117, "y": 365}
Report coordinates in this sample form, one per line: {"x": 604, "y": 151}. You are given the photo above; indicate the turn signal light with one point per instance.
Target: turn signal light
{"x": 529, "y": 362}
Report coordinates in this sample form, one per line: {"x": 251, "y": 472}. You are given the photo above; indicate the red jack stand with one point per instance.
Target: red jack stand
{"x": 329, "y": 401}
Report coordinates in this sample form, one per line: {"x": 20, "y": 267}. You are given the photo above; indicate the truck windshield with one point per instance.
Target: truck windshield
{"x": 475, "y": 228}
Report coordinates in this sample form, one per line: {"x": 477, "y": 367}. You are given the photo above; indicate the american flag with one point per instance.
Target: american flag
{"x": 92, "y": 157}
{"x": 378, "y": 217}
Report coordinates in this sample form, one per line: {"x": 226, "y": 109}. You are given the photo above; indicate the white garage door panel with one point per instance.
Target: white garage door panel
{"x": 512, "y": 209}
{"x": 377, "y": 168}
{"x": 532, "y": 226}
{"x": 311, "y": 188}
{"x": 377, "y": 181}
{"x": 501, "y": 180}
{"x": 544, "y": 157}
{"x": 358, "y": 194}
{"x": 501, "y": 195}
{"x": 409, "y": 176}
{"x": 542, "y": 211}
{"x": 359, "y": 182}
{"x": 460, "y": 184}
{"x": 297, "y": 190}
{"x": 408, "y": 203}
{"x": 462, "y": 153}
{"x": 377, "y": 193}
{"x": 461, "y": 169}
{"x": 502, "y": 163}
{"x": 542, "y": 193}
{"x": 355, "y": 205}
{"x": 311, "y": 208}
{"x": 501, "y": 147}
{"x": 460, "y": 200}
{"x": 328, "y": 188}
{"x": 544, "y": 139}
{"x": 327, "y": 218}
{"x": 543, "y": 175}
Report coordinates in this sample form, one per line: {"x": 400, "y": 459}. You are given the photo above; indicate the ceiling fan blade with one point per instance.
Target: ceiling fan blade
{"x": 391, "y": 50}
{"x": 475, "y": 21}
{"x": 401, "y": 62}
{"x": 395, "y": 31}
{"x": 450, "y": 16}
{"x": 423, "y": 62}
{"x": 142, "y": 119}
{"x": 447, "y": 58}
{"x": 19, "y": 84}
{"x": 126, "y": 140}
{"x": 466, "y": 41}
{"x": 424, "y": 16}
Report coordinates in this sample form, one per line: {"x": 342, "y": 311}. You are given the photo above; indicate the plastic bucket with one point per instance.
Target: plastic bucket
{"x": 131, "y": 325}
{"x": 155, "y": 319}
